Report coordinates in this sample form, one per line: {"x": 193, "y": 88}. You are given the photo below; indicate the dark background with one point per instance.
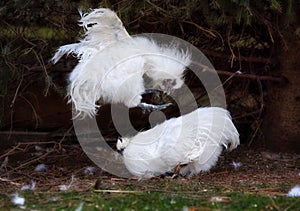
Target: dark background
{"x": 258, "y": 38}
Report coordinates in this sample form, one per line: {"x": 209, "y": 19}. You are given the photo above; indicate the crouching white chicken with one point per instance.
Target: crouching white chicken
{"x": 193, "y": 141}
{"x": 113, "y": 65}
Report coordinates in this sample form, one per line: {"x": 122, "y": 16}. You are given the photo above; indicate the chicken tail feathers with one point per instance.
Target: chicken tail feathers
{"x": 230, "y": 134}
{"x": 102, "y": 28}
{"x": 66, "y": 50}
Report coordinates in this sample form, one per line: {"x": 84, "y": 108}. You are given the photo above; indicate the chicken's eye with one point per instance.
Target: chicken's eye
{"x": 91, "y": 24}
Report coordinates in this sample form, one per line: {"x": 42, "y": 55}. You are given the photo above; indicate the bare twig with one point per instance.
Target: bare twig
{"x": 41, "y": 61}
{"x": 274, "y": 204}
{"x": 253, "y": 113}
{"x": 201, "y": 28}
{"x": 16, "y": 92}
{"x": 32, "y": 133}
{"x": 10, "y": 151}
{"x": 232, "y": 57}
{"x": 254, "y": 133}
{"x": 251, "y": 76}
{"x": 164, "y": 12}
{"x": 241, "y": 58}
{"x": 239, "y": 75}
{"x": 118, "y": 191}
{"x": 63, "y": 138}
{"x": 292, "y": 205}
{"x": 34, "y": 111}
{"x": 230, "y": 77}
{"x": 31, "y": 161}
{"x": 10, "y": 182}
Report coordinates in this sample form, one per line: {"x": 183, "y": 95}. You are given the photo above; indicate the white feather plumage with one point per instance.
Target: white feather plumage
{"x": 112, "y": 64}
{"x": 195, "y": 140}
{"x": 102, "y": 27}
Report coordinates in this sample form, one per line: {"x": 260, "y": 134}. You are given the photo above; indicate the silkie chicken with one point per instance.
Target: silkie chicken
{"x": 192, "y": 142}
{"x": 113, "y": 65}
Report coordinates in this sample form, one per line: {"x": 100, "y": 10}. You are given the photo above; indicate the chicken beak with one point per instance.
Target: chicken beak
{"x": 168, "y": 86}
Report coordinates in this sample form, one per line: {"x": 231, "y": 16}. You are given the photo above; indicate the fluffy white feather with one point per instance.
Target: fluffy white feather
{"x": 195, "y": 140}
{"x": 114, "y": 79}
{"x": 294, "y": 192}
{"x": 102, "y": 27}
{"x": 18, "y": 200}
{"x": 112, "y": 64}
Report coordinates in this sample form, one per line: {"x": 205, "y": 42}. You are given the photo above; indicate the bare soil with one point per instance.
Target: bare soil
{"x": 248, "y": 169}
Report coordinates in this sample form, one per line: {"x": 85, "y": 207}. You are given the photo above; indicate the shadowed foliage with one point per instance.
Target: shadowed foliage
{"x": 238, "y": 36}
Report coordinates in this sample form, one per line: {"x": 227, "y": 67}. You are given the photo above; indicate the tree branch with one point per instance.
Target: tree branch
{"x": 251, "y": 76}
{"x": 240, "y": 58}
{"x": 240, "y": 75}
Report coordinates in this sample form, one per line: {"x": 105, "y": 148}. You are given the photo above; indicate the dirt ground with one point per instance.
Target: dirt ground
{"x": 244, "y": 168}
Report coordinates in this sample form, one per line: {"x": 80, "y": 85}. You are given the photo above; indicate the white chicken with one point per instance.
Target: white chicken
{"x": 193, "y": 141}
{"x": 113, "y": 65}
